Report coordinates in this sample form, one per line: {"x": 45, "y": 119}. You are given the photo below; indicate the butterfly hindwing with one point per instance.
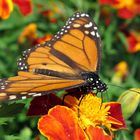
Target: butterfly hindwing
{"x": 27, "y": 84}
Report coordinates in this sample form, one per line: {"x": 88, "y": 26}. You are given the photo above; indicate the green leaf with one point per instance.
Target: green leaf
{"x": 5, "y": 120}
{"x": 122, "y": 37}
{"x": 11, "y": 137}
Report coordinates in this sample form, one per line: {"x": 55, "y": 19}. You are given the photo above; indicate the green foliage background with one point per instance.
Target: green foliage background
{"x": 114, "y": 46}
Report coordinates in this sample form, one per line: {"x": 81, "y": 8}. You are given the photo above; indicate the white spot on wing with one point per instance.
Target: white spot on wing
{"x": 97, "y": 34}
{"x": 78, "y": 15}
{"x": 95, "y": 28}
{"x": 82, "y": 15}
{"x": 87, "y": 15}
{"x": 88, "y": 25}
{"x": 31, "y": 93}
{"x": 93, "y": 33}
{"x": 11, "y": 97}
{"x": 23, "y": 97}
{"x": 37, "y": 94}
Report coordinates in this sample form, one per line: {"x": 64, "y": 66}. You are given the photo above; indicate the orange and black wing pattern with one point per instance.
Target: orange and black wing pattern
{"x": 58, "y": 63}
{"x": 75, "y": 48}
{"x": 27, "y": 85}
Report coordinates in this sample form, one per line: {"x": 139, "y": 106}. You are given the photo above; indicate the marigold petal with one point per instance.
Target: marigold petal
{"x": 51, "y": 128}
{"x": 131, "y": 44}
{"x": 97, "y": 134}
{"x": 116, "y": 112}
{"x": 137, "y": 134}
{"x": 108, "y": 1}
{"x": 40, "y": 40}
{"x": 137, "y": 48}
{"x": 114, "y": 121}
{"x": 41, "y": 104}
{"x": 71, "y": 101}
{"x": 122, "y": 67}
{"x": 61, "y": 124}
{"x": 25, "y": 6}
{"x": 6, "y": 7}
{"x": 29, "y": 32}
{"x": 126, "y": 13}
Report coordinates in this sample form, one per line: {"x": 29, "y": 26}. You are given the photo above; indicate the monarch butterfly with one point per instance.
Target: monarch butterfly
{"x": 70, "y": 59}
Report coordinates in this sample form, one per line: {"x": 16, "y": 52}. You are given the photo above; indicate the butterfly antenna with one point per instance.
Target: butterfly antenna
{"x": 123, "y": 88}
{"x": 79, "y": 104}
{"x": 102, "y": 98}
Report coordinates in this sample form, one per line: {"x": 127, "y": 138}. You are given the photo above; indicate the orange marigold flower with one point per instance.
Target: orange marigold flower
{"x": 121, "y": 72}
{"x": 6, "y": 7}
{"x": 94, "y": 112}
{"x": 133, "y": 42}
{"x": 29, "y": 32}
{"x": 126, "y": 8}
{"x": 137, "y": 134}
{"x": 122, "y": 67}
{"x": 82, "y": 121}
{"x": 25, "y": 6}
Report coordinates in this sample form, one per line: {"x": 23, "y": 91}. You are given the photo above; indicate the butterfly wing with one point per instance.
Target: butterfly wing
{"x": 74, "y": 49}
{"x": 27, "y": 84}
{"x": 56, "y": 64}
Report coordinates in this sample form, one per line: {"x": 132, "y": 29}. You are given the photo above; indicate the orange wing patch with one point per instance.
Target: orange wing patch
{"x": 92, "y": 53}
{"x": 77, "y": 33}
{"x": 41, "y": 58}
{"x": 81, "y": 21}
{"x": 82, "y": 50}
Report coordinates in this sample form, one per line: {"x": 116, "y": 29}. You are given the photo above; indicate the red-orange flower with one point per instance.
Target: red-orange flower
{"x": 29, "y": 32}
{"x": 53, "y": 12}
{"x": 40, "y": 40}
{"x": 6, "y": 7}
{"x": 25, "y": 6}
{"x": 133, "y": 42}
{"x": 126, "y": 8}
{"x": 82, "y": 122}
{"x": 61, "y": 124}
{"x": 137, "y": 134}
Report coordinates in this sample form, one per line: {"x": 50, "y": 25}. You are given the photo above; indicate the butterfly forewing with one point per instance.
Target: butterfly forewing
{"x": 58, "y": 63}
{"x": 76, "y": 47}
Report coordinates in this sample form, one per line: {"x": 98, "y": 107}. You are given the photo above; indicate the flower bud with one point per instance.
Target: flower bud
{"x": 129, "y": 101}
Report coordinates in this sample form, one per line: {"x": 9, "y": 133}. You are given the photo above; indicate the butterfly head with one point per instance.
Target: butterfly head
{"x": 99, "y": 85}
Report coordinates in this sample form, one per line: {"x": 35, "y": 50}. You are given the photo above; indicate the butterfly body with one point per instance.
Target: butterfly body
{"x": 71, "y": 59}
{"x": 92, "y": 79}
{"x": 93, "y": 82}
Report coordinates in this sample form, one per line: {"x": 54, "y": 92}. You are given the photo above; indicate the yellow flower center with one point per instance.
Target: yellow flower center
{"x": 93, "y": 112}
